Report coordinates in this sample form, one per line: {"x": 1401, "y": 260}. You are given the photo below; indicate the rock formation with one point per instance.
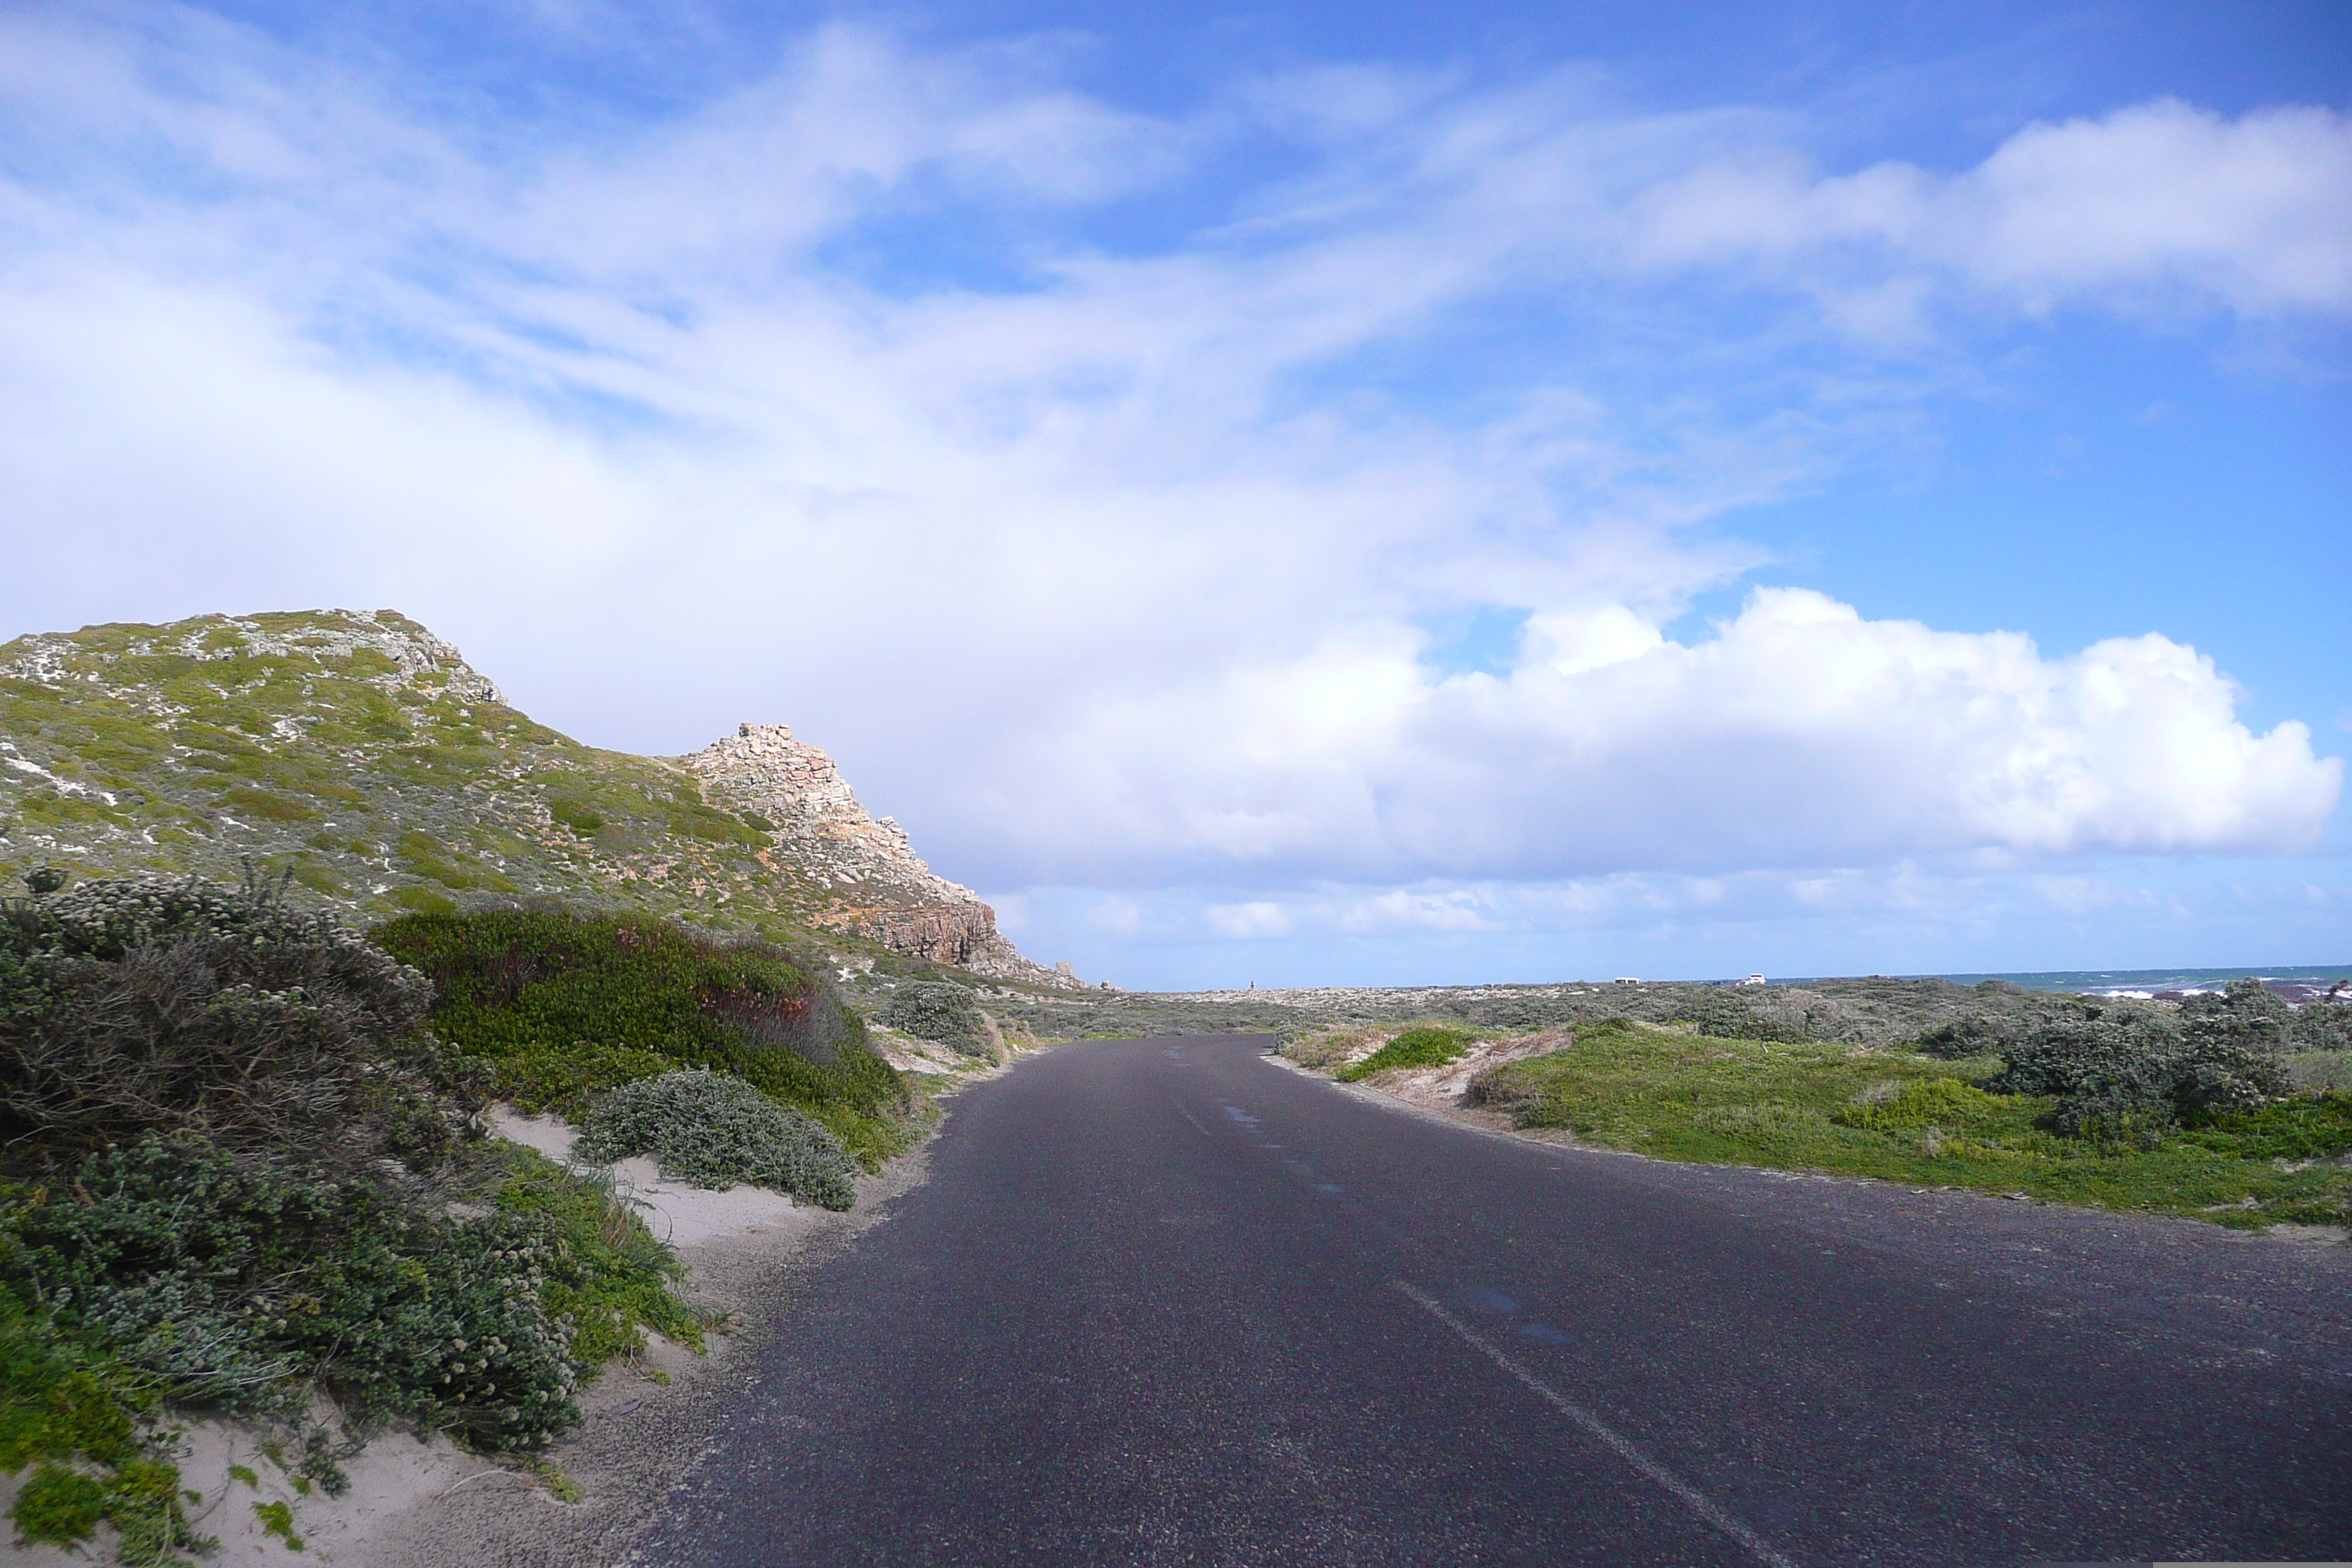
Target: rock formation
{"x": 877, "y": 886}
{"x": 357, "y": 753}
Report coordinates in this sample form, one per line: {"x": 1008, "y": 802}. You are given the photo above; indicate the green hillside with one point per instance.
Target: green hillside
{"x": 359, "y": 752}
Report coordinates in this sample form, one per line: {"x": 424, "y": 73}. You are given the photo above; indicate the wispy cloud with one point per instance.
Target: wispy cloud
{"x": 857, "y": 394}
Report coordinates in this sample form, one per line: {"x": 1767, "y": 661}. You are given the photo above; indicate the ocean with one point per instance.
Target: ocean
{"x": 2293, "y": 982}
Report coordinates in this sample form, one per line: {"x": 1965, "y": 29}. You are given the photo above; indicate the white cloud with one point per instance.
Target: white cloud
{"x": 1253, "y": 922}
{"x": 1799, "y": 734}
{"x": 1399, "y": 908}
{"x": 626, "y": 410}
{"x": 1122, "y": 916}
{"x": 2160, "y": 202}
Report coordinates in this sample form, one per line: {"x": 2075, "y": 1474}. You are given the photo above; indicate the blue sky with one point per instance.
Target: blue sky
{"x": 1301, "y": 494}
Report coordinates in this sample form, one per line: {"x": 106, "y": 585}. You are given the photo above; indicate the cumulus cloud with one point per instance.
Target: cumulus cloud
{"x": 846, "y": 395}
{"x": 1797, "y": 734}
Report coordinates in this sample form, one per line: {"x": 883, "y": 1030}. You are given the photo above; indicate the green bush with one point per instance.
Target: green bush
{"x": 576, "y": 816}
{"x": 2132, "y": 1076}
{"x": 2319, "y": 1072}
{"x": 240, "y": 1288}
{"x": 509, "y": 979}
{"x": 610, "y": 1278}
{"x": 1723, "y": 1011}
{"x": 1975, "y": 1035}
{"x": 530, "y": 983}
{"x": 567, "y": 1078}
{"x": 236, "y": 1287}
{"x": 1428, "y": 1046}
{"x": 2320, "y": 1027}
{"x": 939, "y": 1011}
{"x": 715, "y": 1131}
{"x": 245, "y": 1172}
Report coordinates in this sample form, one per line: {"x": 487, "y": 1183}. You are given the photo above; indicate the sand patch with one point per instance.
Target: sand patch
{"x": 678, "y": 1213}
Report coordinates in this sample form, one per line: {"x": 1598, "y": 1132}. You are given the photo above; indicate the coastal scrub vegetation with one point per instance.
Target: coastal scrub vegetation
{"x": 2198, "y": 1112}
{"x": 239, "y": 1169}
{"x": 1422, "y": 1046}
{"x": 938, "y": 1011}
{"x": 564, "y": 1007}
{"x": 715, "y": 1131}
{"x": 359, "y": 753}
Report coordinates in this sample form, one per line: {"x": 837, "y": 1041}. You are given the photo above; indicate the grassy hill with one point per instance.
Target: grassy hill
{"x": 359, "y": 752}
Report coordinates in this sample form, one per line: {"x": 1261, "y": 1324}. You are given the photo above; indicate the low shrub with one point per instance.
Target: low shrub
{"x": 715, "y": 1131}
{"x": 939, "y": 1011}
{"x": 2321, "y": 1026}
{"x": 609, "y": 1276}
{"x": 2132, "y": 1075}
{"x": 1725, "y": 1013}
{"x": 1427, "y": 1045}
{"x": 512, "y": 979}
{"x": 132, "y": 1006}
{"x": 238, "y": 1287}
{"x": 521, "y": 987}
{"x": 1975, "y": 1035}
{"x": 2320, "y": 1072}
{"x": 1824, "y": 1106}
{"x": 241, "y": 1288}
{"x": 243, "y": 1172}
{"x": 577, "y": 816}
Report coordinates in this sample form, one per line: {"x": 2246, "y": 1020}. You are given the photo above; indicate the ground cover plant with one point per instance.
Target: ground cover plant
{"x": 1927, "y": 1120}
{"x": 240, "y": 1169}
{"x": 1422, "y": 1046}
{"x": 86, "y": 1427}
{"x": 566, "y": 1006}
{"x": 715, "y": 1131}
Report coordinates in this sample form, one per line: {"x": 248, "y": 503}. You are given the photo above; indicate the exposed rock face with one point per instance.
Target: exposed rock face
{"x": 877, "y": 886}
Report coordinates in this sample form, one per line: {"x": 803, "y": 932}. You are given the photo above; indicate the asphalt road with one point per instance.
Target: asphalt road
{"x": 1163, "y": 1301}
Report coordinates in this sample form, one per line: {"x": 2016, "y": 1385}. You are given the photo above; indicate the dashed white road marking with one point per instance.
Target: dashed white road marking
{"x": 1698, "y": 1502}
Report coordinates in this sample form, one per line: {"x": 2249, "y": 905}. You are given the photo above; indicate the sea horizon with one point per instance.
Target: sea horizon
{"x": 2144, "y": 982}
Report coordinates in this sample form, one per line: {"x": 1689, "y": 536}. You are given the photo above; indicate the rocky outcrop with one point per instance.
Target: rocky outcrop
{"x": 873, "y": 883}
{"x": 359, "y": 754}
{"x": 405, "y": 655}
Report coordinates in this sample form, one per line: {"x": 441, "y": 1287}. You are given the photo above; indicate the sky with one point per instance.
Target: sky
{"x": 1302, "y": 494}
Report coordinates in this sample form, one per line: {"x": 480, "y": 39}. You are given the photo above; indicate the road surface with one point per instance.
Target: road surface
{"x": 1166, "y": 1301}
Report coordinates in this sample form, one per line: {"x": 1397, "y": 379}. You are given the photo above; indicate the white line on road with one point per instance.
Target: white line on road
{"x": 1698, "y": 1502}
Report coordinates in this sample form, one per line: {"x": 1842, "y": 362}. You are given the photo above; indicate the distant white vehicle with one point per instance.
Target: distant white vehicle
{"x": 1625, "y": 980}
{"x": 1755, "y": 980}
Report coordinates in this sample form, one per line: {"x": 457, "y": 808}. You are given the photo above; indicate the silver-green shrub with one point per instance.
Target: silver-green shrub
{"x": 2131, "y": 1074}
{"x": 138, "y": 1006}
{"x": 715, "y": 1131}
{"x": 938, "y": 1011}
